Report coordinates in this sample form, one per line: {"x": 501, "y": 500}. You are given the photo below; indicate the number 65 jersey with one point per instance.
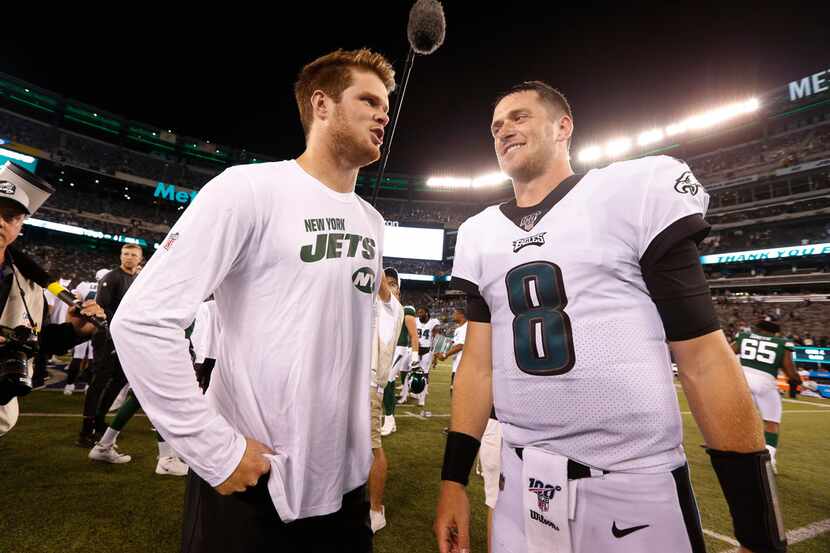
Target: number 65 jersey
{"x": 580, "y": 360}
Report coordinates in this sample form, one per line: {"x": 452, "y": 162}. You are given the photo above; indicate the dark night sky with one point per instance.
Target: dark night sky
{"x": 225, "y": 73}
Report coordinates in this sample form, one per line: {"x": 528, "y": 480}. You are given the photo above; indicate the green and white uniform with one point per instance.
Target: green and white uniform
{"x": 403, "y": 350}
{"x": 761, "y": 356}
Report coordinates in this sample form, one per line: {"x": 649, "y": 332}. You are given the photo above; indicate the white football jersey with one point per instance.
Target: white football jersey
{"x": 265, "y": 238}
{"x": 458, "y": 337}
{"x": 425, "y": 331}
{"x": 86, "y": 291}
{"x": 580, "y": 360}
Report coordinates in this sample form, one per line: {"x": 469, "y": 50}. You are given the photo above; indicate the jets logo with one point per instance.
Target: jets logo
{"x": 535, "y": 240}
{"x": 364, "y": 280}
{"x": 686, "y": 183}
{"x": 7, "y": 187}
{"x": 544, "y": 493}
{"x": 529, "y": 221}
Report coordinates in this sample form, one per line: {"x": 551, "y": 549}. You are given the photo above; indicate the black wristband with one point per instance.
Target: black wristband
{"x": 749, "y": 487}
{"x": 459, "y": 456}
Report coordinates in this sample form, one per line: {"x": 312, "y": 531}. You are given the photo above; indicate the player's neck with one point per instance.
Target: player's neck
{"x": 127, "y": 270}
{"x": 321, "y": 164}
{"x": 531, "y": 192}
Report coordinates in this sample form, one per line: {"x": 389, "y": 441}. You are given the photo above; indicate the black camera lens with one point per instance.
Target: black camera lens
{"x": 14, "y": 377}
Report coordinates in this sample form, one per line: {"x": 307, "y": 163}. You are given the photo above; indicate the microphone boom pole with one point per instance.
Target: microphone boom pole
{"x": 396, "y": 111}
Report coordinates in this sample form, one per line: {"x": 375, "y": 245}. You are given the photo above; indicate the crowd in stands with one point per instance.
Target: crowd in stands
{"x": 778, "y": 151}
{"x": 451, "y": 215}
{"x": 805, "y": 322}
{"x": 732, "y": 198}
{"x": 132, "y": 210}
{"x": 761, "y": 236}
{"x": 24, "y": 131}
{"x": 68, "y": 261}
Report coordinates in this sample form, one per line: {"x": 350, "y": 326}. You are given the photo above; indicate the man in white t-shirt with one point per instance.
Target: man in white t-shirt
{"x": 279, "y": 461}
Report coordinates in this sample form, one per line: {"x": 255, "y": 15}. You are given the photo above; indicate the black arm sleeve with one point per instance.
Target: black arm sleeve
{"x": 674, "y": 277}
{"x": 57, "y": 338}
{"x": 477, "y": 309}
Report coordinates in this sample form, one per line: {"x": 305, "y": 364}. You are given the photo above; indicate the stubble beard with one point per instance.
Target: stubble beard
{"x": 349, "y": 148}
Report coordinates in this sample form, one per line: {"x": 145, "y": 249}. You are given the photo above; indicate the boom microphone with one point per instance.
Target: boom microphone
{"x": 427, "y": 26}
{"x": 426, "y": 31}
{"x": 34, "y": 272}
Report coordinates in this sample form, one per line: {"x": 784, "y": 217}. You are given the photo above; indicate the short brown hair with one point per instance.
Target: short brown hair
{"x": 132, "y": 247}
{"x": 332, "y": 74}
{"x": 549, "y": 95}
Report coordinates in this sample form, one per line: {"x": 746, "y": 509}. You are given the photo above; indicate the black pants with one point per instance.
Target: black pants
{"x": 107, "y": 380}
{"x": 248, "y": 523}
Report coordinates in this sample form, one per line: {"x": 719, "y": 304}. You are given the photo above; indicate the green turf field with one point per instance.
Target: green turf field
{"x": 56, "y": 500}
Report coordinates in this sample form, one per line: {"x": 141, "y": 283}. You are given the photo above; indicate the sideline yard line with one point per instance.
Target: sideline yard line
{"x": 806, "y": 403}
{"x": 721, "y": 537}
{"x": 801, "y": 534}
{"x": 60, "y": 415}
{"x": 788, "y": 411}
{"x": 402, "y": 413}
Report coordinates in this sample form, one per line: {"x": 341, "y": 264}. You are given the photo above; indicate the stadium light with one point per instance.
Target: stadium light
{"x": 449, "y": 182}
{"x": 618, "y": 147}
{"x": 714, "y": 117}
{"x": 590, "y": 153}
{"x": 490, "y": 179}
{"x": 650, "y": 137}
{"x": 483, "y": 181}
{"x": 704, "y": 120}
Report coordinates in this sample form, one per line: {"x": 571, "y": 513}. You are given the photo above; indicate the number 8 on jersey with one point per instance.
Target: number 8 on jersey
{"x": 542, "y": 338}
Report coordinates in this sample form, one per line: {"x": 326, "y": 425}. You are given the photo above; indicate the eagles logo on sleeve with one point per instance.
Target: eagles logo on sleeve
{"x": 686, "y": 183}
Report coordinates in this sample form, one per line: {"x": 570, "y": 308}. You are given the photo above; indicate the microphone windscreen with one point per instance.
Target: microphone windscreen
{"x": 427, "y": 26}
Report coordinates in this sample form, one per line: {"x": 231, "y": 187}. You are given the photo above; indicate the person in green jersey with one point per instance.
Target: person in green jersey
{"x": 762, "y": 354}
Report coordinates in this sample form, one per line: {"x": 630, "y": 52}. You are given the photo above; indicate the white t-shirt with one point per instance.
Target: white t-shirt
{"x": 206, "y": 331}
{"x": 385, "y": 330}
{"x": 265, "y": 239}
{"x": 425, "y": 331}
{"x": 458, "y": 337}
{"x": 580, "y": 361}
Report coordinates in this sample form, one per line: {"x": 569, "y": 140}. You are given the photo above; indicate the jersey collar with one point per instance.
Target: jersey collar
{"x": 526, "y": 217}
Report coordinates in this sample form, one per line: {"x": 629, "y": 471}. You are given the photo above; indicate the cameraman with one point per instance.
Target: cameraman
{"x": 23, "y": 307}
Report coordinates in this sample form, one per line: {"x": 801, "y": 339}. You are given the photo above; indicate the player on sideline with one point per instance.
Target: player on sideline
{"x": 427, "y": 328}
{"x": 407, "y": 348}
{"x": 82, "y": 354}
{"x": 279, "y": 462}
{"x": 573, "y": 289}
{"x": 459, "y": 317}
{"x": 762, "y": 354}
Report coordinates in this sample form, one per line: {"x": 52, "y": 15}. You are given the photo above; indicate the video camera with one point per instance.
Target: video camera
{"x": 19, "y": 345}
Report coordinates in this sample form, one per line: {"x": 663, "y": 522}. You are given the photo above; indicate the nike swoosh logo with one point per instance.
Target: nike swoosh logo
{"x": 625, "y": 531}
